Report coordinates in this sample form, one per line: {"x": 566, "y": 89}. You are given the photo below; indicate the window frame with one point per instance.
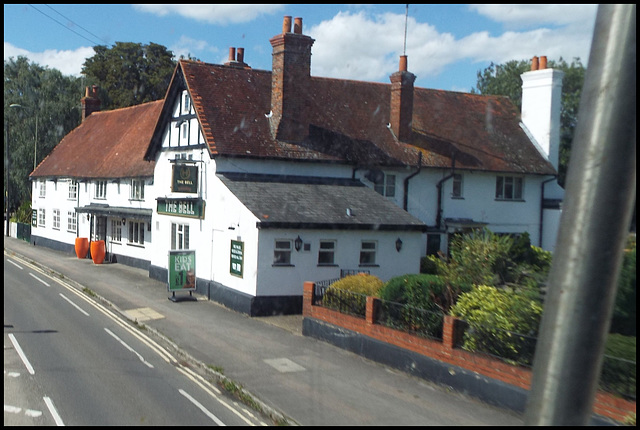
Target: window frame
{"x": 72, "y": 222}
{"x": 279, "y": 250}
{"x": 135, "y": 234}
{"x": 509, "y": 188}
{"x": 100, "y": 190}
{"x": 387, "y": 186}
{"x": 179, "y": 236}
{"x": 73, "y": 190}
{"x": 56, "y": 219}
{"x": 42, "y": 217}
{"x": 43, "y": 189}
{"x": 116, "y": 230}
{"x": 457, "y": 184}
{"x": 136, "y": 189}
{"x": 368, "y": 251}
{"x": 327, "y": 251}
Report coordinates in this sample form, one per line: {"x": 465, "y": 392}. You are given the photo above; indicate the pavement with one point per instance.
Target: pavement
{"x": 291, "y": 378}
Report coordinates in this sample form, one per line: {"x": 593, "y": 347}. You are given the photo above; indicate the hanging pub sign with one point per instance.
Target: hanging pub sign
{"x": 191, "y": 208}
{"x": 182, "y": 270}
{"x": 185, "y": 179}
{"x": 237, "y": 258}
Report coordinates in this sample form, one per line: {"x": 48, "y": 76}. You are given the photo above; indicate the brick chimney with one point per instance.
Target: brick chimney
{"x": 90, "y": 102}
{"x": 290, "y": 78}
{"x": 236, "y": 60}
{"x": 401, "y": 112}
{"x": 541, "y": 103}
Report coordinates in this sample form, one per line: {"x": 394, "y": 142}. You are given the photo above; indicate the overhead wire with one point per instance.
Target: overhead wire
{"x": 66, "y": 27}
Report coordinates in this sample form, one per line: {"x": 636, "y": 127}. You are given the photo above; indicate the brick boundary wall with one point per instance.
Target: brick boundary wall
{"x": 605, "y": 404}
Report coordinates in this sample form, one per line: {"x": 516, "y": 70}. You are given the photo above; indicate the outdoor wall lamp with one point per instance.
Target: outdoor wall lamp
{"x": 298, "y": 243}
{"x": 123, "y": 221}
{"x": 398, "y": 244}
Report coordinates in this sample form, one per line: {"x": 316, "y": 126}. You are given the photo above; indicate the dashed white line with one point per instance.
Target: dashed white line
{"x": 15, "y": 264}
{"x": 53, "y": 411}
{"x": 73, "y": 304}
{"x": 129, "y": 348}
{"x": 38, "y": 279}
{"x": 23, "y": 357}
{"x": 202, "y": 408}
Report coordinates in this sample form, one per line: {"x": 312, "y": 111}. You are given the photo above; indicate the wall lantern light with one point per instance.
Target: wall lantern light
{"x": 123, "y": 221}
{"x": 398, "y": 244}
{"x": 298, "y": 243}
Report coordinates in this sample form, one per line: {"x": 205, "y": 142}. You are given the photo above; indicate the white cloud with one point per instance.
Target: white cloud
{"x": 212, "y": 13}
{"x": 538, "y": 14}
{"x": 68, "y": 62}
{"x": 186, "y": 45}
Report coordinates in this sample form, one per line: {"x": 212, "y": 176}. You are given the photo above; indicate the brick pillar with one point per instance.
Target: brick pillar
{"x": 370, "y": 313}
{"x": 448, "y": 332}
{"x": 307, "y": 298}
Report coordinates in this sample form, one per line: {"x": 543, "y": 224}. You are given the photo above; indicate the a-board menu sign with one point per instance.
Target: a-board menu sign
{"x": 182, "y": 270}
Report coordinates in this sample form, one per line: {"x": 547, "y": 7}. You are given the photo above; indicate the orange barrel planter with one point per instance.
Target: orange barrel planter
{"x": 82, "y": 247}
{"x": 98, "y": 251}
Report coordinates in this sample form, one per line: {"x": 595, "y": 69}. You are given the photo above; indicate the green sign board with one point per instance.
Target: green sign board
{"x": 191, "y": 208}
{"x": 185, "y": 179}
{"x": 182, "y": 270}
{"x": 34, "y": 218}
{"x": 237, "y": 258}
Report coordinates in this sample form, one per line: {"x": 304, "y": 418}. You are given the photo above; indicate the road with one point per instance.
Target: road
{"x": 69, "y": 360}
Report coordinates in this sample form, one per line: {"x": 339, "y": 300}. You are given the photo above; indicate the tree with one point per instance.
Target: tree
{"x": 504, "y": 79}
{"x": 45, "y": 107}
{"x": 129, "y": 73}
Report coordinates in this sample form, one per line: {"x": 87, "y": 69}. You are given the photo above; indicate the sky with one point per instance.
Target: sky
{"x": 446, "y": 45}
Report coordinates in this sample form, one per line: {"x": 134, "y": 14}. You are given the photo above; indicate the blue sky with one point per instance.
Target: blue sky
{"x": 446, "y": 45}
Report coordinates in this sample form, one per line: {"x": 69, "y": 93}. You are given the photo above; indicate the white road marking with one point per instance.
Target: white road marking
{"x": 129, "y": 348}
{"x": 73, "y": 304}
{"x": 202, "y": 408}
{"x": 53, "y": 411}
{"x": 15, "y": 264}
{"x": 23, "y": 357}
{"x": 38, "y": 279}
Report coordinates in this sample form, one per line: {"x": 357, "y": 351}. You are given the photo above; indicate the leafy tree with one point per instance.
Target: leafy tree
{"x": 129, "y": 73}
{"x": 504, "y": 79}
{"x": 45, "y": 109}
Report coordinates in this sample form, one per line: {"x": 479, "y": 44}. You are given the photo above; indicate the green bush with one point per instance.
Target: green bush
{"x": 619, "y": 366}
{"x": 349, "y": 294}
{"x": 624, "y": 313}
{"x": 361, "y": 283}
{"x": 501, "y": 322}
{"x": 428, "y": 265}
{"x": 421, "y": 291}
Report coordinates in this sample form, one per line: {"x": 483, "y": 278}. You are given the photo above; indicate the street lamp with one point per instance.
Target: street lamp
{"x": 35, "y": 142}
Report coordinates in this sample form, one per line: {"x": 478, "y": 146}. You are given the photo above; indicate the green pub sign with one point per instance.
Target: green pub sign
{"x": 182, "y": 270}
{"x": 191, "y": 208}
{"x": 34, "y": 218}
{"x": 185, "y": 179}
{"x": 237, "y": 258}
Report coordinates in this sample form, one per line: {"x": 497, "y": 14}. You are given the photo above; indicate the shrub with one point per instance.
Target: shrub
{"x": 349, "y": 294}
{"x": 421, "y": 291}
{"x": 501, "y": 322}
{"x": 624, "y": 313}
{"x": 428, "y": 265}
{"x": 619, "y": 366}
{"x": 361, "y": 283}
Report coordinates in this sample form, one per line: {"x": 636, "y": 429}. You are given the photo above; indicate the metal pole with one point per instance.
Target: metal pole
{"x": 6, "y": 160}
{"x": 600, "y": 194}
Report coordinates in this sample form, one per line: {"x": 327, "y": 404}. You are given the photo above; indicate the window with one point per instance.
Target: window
{"x": 179, "y": 236}
{"x": 368, "y": 252}
{"x": 116, "y": 230}
{"x": 136, "y": 232}
{"x": 185, "y": 130}
{"x": 41, "y": 217}
{"x": 508, "y": 188}
{"x": 386, "y": 185}
{"x": 282, "y": 252}
{"x": 457, "y": 185}
{"x": 56, "y": 219}
{"x": 43, "y": 189}
{"x": 326, "y": 253}
{"x": 73, "y": 190}
{"x": 137, "y": 189}
{"x": 101, "y": 190}
{"x": 71, "y": 221}
{"x": 186, "y": 106}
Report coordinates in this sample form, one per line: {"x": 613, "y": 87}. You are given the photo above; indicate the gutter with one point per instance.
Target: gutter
{"x": 439, "y": 187}
{"x": 542, "y": 206}
{"x": 406, "y": 182}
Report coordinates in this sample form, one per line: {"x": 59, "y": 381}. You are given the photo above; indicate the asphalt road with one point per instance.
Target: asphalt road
{"x": 74, "y": 362}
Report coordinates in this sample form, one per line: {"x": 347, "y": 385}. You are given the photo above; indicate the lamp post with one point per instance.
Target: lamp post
{"x": 6, "y": 160}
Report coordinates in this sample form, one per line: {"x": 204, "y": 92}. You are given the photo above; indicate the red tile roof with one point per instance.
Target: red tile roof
{"x": 109, "y": 144}
{"x": 348, "y": 121}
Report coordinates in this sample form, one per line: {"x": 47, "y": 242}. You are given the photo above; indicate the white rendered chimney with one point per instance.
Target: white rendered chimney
{"x": 541, "y": 103}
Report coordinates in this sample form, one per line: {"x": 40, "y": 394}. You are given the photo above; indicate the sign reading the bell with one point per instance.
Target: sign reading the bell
{"x": 185, "y": 179}
{"x": 192, "y": 208}
{"x": 237, "y": 258}
{"x": 182, "y": 270}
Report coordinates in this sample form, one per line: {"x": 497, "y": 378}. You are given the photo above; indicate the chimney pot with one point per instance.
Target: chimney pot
{"x": 286, "y": 25}
{"x": 534, "y": 63}
{"x": 543, "y": 62}
{"x": 240, "y": 55}
{"x": 297, "y": 26}
{"x": 403, "y": 63}
{"x": 232, "y": 54}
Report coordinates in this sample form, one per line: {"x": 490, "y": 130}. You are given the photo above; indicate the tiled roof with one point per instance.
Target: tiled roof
{"x": 109, "y": 144}
{"x": 290, "y": 201}
{"x": 348, "y": 121}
